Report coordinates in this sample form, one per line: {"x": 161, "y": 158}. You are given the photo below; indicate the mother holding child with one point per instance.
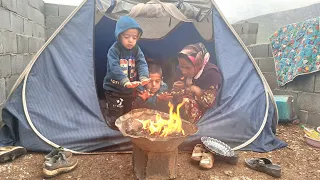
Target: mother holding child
{"x": 196, "y": 79}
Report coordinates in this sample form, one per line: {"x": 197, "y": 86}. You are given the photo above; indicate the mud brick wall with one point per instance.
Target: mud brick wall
{"x": 22, "y": 33}
{"x": 55, "y": 14}
{"x": 305, "y": 89}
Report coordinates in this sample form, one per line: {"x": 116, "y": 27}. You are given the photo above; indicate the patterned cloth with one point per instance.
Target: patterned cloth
{"x": 295, "y": 49}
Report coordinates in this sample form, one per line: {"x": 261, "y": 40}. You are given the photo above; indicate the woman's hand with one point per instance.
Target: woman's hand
{"x": 196, "y": 90}
{"x": 164, "y": 96}
{"x": 132, "y": 85}
{"x": 145, "y": 94}
{"x": 179, "y": 85}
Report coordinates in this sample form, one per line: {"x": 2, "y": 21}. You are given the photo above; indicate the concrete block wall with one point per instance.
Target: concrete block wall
{"x": 55, "y": 14}
{"x": 305, "y": 89}
{"x": 247, "y": 32}
{"x": 22, "y": 33}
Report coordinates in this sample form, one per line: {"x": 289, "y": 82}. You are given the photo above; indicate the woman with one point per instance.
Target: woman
{"x": 198, "y": 80}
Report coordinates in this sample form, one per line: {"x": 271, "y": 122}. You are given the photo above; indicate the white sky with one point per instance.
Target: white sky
{"x": 236, "y": 10}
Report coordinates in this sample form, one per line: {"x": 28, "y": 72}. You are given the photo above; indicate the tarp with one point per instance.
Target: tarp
{"x": 62, "y": 86}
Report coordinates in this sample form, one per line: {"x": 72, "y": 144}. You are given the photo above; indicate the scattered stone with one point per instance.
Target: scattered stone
{"x": 228, "y": 173}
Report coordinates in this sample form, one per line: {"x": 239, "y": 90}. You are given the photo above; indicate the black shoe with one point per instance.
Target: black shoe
{"x": 10, "y": 153}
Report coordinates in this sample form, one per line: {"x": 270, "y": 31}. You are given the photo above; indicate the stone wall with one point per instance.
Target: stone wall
{"x": 55, "y": 14}
{"x": 22, "y": 33}
{"x": 305, "y": 89}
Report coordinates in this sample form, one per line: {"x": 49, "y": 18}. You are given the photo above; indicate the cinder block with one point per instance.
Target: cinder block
{"x": 16, "y": 23}
{"x": 34, "y": 3}
{"x": 39, "y": 31}
{"x": 22, "y": 8}
{"x": 8, "y": 42}
{"x": 237, "y": 28}
{"x": 260, "y": 50}
{"x": 309, "y": 101}
{"x": 65, "y": 10}
{"x": 249, "y": 39}
{"x": 314, "y": 119}
{"x": 49, "y": 33}
{"x": 5, "y": 19}
{"x": 2, "y": 92}
{"x": 27, "y": 58}
{"x": 250, "y": 28}
{"x": 27, "y": 27}
{"x": 41, "y": 6}
{"x": 317, "y": 83}
{"x": 31, "y": 12}
{"x": 10, "y": 4}
{"x": 54, "y": 22}
{"x": 303, "y": 116}
{"x": 23, "y": 44}
{"x": 17, "y": 64}
{"x": 5, "y": 66}
{"x": 35, "y": 44}
{"x": 152, "y": 165}
{"x": 51, "y": 9}
{"x": 10, "y": 82}
{"x": 303, "y": 83}
{"x": 266, "y": 64}
{"x": 271, "y": 79}
{"x": 39, "y": 17}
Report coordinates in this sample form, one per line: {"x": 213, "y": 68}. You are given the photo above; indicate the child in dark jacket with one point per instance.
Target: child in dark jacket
{"x": 126, "y": 70}
{"x": 148, "y": 95}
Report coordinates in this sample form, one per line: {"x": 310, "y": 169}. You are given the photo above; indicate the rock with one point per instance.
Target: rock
{"x": 228, "y": 173}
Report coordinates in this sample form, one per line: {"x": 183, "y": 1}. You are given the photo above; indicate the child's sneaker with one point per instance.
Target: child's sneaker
{"x": 9, "y": 153}
{"x": 56, "y": 151}
{"x": 197, "y": 152}
{"x": 58, "y": 164}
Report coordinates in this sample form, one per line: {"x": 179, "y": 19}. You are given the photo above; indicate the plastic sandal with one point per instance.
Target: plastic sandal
{"x": 197, "y": 152}
{"x": 207, "y": 160}
{"x": 264, "y": 165}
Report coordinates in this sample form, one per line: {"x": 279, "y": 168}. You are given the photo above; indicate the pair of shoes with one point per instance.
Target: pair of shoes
{"x": 206, "y": 158}
{"x": 57, "y": 162}
{"x": 264, "y": 165}
{"x": 54, "y": 152}
{"x": 10, "y": 153}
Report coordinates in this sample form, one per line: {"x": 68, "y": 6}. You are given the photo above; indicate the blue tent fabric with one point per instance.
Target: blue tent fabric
{"x": 64, "y": 82}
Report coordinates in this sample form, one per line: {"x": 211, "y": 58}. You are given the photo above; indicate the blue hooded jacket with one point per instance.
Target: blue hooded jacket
{"x": 124, "y": 65}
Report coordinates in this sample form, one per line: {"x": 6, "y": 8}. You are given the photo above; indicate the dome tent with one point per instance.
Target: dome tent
{"x": 55, "y": 103}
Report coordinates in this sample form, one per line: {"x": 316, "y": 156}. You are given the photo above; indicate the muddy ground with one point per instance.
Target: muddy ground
{"x": 298, "y": 161}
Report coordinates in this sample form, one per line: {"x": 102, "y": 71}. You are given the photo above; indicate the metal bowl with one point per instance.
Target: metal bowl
{"x": 217, "y": 147}
{"x": 127, "y": 123}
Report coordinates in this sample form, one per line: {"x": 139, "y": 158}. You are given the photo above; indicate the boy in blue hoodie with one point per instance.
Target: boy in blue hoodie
{"x": 126, "y": 70}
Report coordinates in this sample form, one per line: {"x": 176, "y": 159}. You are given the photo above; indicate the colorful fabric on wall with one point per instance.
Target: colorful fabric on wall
{"x": 295, "y": 49}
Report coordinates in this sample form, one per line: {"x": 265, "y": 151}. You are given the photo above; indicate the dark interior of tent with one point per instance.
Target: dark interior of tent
{"x": 162, "y": 51}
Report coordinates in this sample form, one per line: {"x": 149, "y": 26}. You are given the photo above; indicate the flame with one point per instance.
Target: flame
{"x": 165, "y": 127}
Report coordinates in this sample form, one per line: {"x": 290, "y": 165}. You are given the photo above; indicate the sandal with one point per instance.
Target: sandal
{"x": 197, "y": 152}
{"x": 264, "y": 165}
{"x": 207, "y": 160}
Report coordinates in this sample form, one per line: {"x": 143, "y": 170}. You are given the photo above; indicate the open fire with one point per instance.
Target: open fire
{"x": 165, "y": 127}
